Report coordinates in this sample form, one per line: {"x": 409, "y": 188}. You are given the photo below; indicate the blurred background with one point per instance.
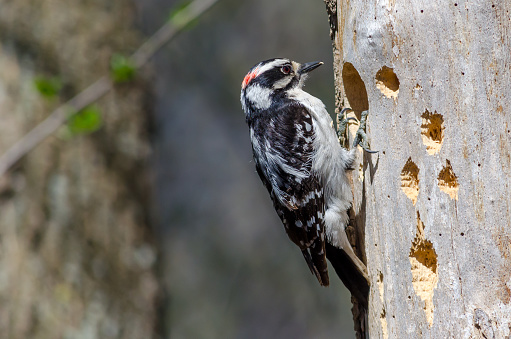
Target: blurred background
{"x": 152, "y": 222}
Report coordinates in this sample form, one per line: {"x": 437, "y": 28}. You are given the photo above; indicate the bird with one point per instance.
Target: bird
{"x": 303, "y": 166}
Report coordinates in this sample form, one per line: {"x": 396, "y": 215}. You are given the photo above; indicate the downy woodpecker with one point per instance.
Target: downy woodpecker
{"x": 301, "y": 163}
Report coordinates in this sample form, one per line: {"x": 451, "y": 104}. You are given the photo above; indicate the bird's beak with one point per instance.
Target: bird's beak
{"x": 309, "y": 66}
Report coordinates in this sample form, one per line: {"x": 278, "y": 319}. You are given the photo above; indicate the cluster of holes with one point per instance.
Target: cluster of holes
{"x": 422, "y": 256}
{"x": 432, "y": 133}
{"x": 447, "y": 181}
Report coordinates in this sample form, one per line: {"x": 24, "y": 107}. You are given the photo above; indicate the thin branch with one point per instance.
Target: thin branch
{"x": 168, "y": 31}
{"x": 53, "y": 122}
{"x": 101, "y": 87}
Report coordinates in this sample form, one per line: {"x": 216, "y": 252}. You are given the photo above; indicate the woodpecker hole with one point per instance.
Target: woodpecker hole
{"x": 354, "y": 89}
{"x": 432, "y": 131}
{"x": 423, "y": 261}
{"x": 448, "y": 182}
{"x": 410, "y": 180}
{"x": 387, "y": 82}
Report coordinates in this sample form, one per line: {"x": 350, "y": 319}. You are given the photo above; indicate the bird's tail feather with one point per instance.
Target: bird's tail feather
{"x": 317, "y": 264}
{"x": 349, "y": 273}
{"x": 356, "y": 282}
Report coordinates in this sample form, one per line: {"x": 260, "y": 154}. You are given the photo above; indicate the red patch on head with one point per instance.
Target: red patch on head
{"x": 251, "y": 75}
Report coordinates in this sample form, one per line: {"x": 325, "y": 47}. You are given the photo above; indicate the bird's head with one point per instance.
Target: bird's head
{"x": 269, "y": 78}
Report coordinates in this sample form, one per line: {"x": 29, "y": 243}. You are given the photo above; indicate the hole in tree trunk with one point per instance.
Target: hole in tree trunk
{"x": 448, "y": 182}
{"x": 387, "y": 82}
{"x": 432, "y": 131}
{"x": 410, "y": 180}
{"x": 354, "y": 88}
{"x": 423, "y": 261}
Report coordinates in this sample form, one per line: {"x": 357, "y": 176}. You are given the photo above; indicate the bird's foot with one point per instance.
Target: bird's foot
{"x": 361, "y": 137}
{"x": 342, "y": 125}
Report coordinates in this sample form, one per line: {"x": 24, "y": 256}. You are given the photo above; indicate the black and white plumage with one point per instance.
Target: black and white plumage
{"x": 301, "y": 163}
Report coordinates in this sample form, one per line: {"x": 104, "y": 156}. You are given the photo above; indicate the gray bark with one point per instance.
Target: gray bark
{"x": 434, "y": 203}
{"x": 76, "y": 255}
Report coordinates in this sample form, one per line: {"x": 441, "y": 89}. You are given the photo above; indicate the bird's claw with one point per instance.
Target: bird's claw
{"x": 361, "y": 136}
{"x": 342, "y": 124}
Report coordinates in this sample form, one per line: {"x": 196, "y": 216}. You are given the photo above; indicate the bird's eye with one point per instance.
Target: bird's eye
{"x": 286, "y": 69}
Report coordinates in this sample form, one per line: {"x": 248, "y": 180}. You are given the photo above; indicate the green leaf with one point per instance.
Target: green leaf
{"x": 85, "y": 121}
{"x": 122, "y": 68}
{"x": 178, "y": 14}
{"x": 47, "y": 87}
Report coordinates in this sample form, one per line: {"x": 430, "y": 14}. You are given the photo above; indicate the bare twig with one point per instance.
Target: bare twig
{"x": 168, "y": 31}
{"x": 101, "y": 87}
{"x": 53, "y": 122}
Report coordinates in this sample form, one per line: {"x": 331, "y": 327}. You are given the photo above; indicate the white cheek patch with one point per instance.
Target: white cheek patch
{"x": 259, "y": 96}
{"x": 282, "y": 82}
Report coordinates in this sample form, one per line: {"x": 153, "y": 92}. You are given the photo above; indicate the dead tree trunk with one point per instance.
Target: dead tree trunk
{"x": 435, "y": 202}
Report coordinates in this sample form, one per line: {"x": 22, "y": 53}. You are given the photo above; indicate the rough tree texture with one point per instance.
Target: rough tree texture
{"x": 435, "y": 202}
{"x": 76, "y": 258}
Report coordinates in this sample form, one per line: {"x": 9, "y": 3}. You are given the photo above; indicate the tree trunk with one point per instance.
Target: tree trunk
{"x": 76, "y": 255}
{"x": 435, "y": 202}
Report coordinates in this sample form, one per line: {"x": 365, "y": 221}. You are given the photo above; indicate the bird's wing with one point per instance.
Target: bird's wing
{"x": 283, "y": 154}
